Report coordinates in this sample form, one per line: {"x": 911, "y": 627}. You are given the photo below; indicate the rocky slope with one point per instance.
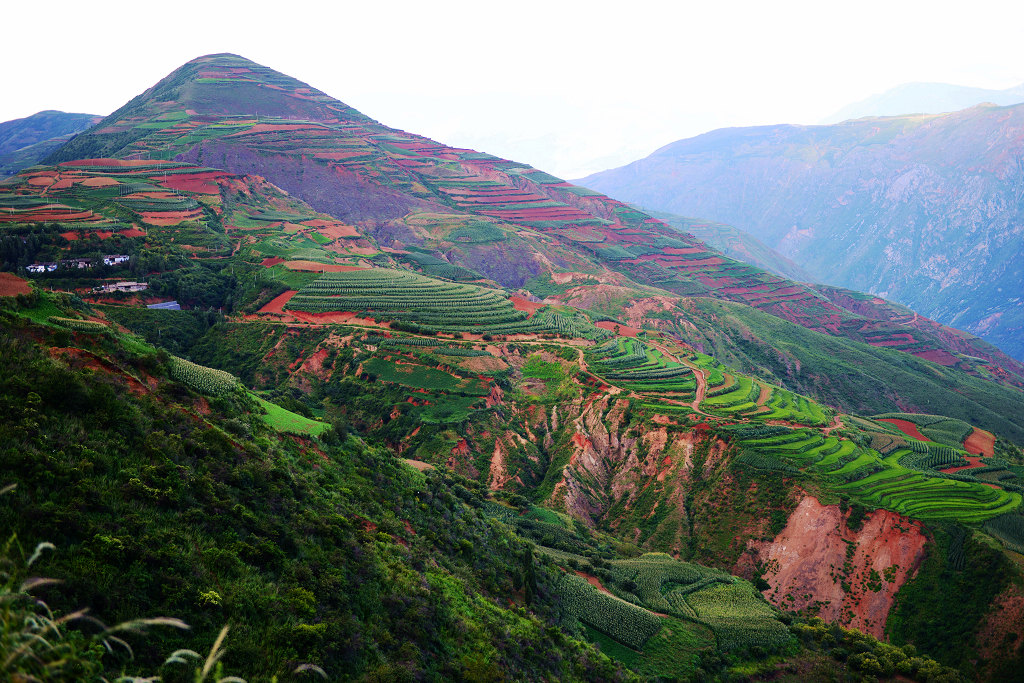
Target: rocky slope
{"x": 818, "y": 563}
{"x": 924, "y": 210}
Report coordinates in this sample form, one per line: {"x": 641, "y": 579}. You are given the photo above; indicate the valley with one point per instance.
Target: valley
{"x": 635, "y": 456}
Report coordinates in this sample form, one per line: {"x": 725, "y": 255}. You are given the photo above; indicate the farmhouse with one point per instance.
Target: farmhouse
{"x": 125, "y": 286}
{"x": 76, "y": 263}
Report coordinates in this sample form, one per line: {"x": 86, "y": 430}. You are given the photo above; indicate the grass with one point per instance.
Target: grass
{"x": 286, "y": 421}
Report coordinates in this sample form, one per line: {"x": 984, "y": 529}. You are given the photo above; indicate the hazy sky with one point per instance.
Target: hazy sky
{"x": 570, "y": 87}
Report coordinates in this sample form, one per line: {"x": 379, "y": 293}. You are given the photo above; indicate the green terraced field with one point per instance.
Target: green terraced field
{"x": 876, "y": 480}
{"x": 632, "y": 364}
{"x": 432, "y": 305}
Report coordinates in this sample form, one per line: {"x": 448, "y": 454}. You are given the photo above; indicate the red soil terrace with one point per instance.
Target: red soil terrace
{"x": 623, "y": 331}
{"x": 908, "y": 428}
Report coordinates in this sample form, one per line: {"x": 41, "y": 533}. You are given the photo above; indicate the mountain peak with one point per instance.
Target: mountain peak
{"x": 226, "y": 83}
{"x": 223, "y": 85}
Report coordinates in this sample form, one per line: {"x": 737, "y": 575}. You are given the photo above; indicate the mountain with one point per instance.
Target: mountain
{"x": 926, "y": 98}
{"x": 406, "y": 192}
{"x": 27, "y": 141}
{"x": 41, "y": 126}
{"x": 923, "y": 210}
{"x": 421, "y": 403}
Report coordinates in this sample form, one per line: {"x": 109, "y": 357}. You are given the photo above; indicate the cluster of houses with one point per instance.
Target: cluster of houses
{"x": 49, "y": 267}
{"x": 120, "y": 287}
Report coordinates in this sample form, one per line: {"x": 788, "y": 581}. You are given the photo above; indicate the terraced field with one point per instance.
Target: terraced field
{"x": 433, "y": 305}
{"x": 639, "y": 367}
{"x": 902, "y": 481}
{"x": 744, "y": 397}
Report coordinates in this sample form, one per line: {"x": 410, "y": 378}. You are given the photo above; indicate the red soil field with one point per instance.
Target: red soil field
{"x": 686, "y": 250}
{"x": 980, "y": 442}
{"x": 99, "y": 181}
{"x": 340, "y": 156}
{"x": 276, "y": 305}
{"x": 337, "y": 231}
{"x": 72, "y": 235}
{"x": 521, "y": 304}
{"x": 40, "y": 216}
{"x": 975, "y": 462}
{"x": 593, "y": 581}
{"x": 624, "y": 330}
{"x": 170, "y": 217}
{"x": 12, "y": 285}
{"x": 271, "y": 261}
{"x": 908, "y": 428}
{"x": 199, "y": 183}
{"x": 938, "y": 356}
{"x": 335, "y": 317}
{"x": 274, "y": 128}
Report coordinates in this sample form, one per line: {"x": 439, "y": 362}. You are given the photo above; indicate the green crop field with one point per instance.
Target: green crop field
{"x": 626, "y": 623}
{"x": 421, "y": 377}
{"x": 203, "y": 379}
{"x": 740, "y": 618}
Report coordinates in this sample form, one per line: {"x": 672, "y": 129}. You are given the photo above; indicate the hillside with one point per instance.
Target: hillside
{"x": 433, "y": 403}
{"x": 408, "y": 193}
{"x": 922, "y": 210}
{"x": 323, "y": 550}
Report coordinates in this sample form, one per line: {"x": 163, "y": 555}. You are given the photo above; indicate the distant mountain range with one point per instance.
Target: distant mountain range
{"x": 925, "y": 210}
{"x": 26, "y": 141}
{"x": 736, "y": 244}
{"x": 926, "y": 98}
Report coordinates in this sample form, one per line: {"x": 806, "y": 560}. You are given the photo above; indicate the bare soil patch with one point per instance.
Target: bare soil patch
{"x": 523, "y": 304}
{"x": 276, "y": 304}
{"x": 12, "y": 285}
{"x": 980, "y": 442}
{"x": 621, "y": 330}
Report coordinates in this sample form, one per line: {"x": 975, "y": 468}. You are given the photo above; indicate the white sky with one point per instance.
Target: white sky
{"x": 570, "y": 87}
